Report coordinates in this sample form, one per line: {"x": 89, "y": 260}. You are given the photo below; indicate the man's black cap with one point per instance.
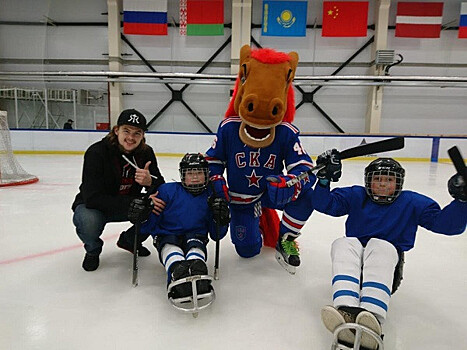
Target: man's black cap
{"x": 132, "y": 117}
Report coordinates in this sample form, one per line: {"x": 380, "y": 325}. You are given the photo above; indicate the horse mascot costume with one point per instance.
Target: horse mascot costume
{"x": 254, "y": 144}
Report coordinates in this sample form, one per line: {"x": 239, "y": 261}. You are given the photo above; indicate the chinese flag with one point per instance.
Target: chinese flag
{"x": 419, "y": 19}
{"x": 345, "y": 18}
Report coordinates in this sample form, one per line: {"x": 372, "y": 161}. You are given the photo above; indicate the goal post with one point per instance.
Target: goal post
{"x": 11, "y": 172}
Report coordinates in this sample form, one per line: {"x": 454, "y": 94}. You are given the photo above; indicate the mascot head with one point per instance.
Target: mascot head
{"x": 263, "y": 95}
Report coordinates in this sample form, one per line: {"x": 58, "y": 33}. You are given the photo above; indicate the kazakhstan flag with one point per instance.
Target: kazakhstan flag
{"x": 284, "y": 18}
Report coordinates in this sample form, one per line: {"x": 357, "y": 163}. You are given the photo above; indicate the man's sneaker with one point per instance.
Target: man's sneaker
{"x": 124, "y": 244}
{"x": 333, "y": 318}
{"x": 90, "y": 262}
{"x": 369, "y": 320}
{"x": 198, "y": 268}
{"x": 287, "y": 254}
{"x": 177, "y": 271}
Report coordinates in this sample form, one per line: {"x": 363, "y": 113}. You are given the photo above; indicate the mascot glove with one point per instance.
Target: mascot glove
{"x": 219, "y": 187}
{"x": 457, "y": 188}
{"x": 278, "y": 191}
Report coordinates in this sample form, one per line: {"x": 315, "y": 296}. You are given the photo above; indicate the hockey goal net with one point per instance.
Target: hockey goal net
{"x": 11, "y": 172}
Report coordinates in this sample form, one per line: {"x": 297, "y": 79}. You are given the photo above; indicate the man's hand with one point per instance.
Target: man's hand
{"x": 158, "y": 204}
{"x": 143, "y": 176}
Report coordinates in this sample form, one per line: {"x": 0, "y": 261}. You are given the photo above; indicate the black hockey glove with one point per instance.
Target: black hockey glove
{"x": 457, "y": 187}
{"x": 332, "y": 170}
{"x": 220, "y": 210}
{"x": 139, "y": 210}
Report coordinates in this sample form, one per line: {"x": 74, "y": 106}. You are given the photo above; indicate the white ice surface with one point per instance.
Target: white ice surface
{"x": 47, "y": 301}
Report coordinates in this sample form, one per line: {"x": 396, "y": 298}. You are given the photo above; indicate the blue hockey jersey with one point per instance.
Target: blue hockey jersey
{"x": 248, "y": 168}
{"x": 183, "y": 213}
{"x": 396, "y": 223}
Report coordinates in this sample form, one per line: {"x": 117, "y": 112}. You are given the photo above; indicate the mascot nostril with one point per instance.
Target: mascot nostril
{"x": 256, "y": 143}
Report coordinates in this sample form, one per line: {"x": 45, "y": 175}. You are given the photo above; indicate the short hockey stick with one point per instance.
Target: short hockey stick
{"x": 134, "y": 279}
{"x": 218, "y": 244}
{"x": 458, "y": 161}
{"x": 135, "y": 255}
{"x": 392, "y": 144}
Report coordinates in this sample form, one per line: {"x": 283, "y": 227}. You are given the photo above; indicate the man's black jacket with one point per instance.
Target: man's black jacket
{"x": 102, "y": 176}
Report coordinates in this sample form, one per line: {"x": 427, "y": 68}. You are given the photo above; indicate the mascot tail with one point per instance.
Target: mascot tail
{"x": 269, "y": 225}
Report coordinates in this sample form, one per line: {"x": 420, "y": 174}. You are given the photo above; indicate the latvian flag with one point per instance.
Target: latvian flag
{"x": 145, "y": 17}
{"x": 463, "y": 21}
{"x": 419, "y": 19}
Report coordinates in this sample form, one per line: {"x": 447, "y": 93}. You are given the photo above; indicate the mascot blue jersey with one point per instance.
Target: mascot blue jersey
{"x": 397, "y": 222}
{"x": 248, "y": 168}
{"x": 183, "y": 213}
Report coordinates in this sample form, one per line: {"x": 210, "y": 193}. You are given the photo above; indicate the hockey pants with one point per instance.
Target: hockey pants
{"x": 244, "y": 226}
{"x": 363, "y": 276}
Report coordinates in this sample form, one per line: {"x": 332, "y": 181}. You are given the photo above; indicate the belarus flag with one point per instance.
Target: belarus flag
{"x": 463, "y": 21}
{"x": 145, "y": 17}
{"x": 419, "y": 19}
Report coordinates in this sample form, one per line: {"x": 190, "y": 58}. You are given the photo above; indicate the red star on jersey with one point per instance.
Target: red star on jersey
{"x": 253, "y": 179}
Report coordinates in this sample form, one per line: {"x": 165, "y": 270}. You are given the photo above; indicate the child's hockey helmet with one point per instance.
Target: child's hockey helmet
{"x": 388, "y": 167}
{"x": 190, "y": 162}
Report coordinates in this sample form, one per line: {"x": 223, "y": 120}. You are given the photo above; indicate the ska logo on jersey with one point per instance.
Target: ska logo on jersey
{"x": 252, "y": 160}
{"x": 253, "y": 179}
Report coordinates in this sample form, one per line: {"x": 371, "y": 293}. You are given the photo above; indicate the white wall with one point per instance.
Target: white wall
{"x": 406, "y": 110}
{"x": 43, "y": 141}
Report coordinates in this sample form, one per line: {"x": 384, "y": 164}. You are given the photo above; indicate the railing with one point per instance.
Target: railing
{"x": 228, "y": 79}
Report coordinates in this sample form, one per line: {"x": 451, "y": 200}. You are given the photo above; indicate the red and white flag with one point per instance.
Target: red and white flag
{"x": 419, "y": 19}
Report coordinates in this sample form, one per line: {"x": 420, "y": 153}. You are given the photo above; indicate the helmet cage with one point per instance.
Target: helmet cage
{"x": 193, "y": 162}
{"x": 384, "y": 167}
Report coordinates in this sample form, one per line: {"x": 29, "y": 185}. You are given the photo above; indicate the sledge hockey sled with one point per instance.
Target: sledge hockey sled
{"x": 193, "y": 303}
{"x": 359, "y": 330}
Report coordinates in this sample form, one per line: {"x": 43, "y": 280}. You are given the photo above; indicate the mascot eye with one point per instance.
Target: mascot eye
{"x": 289, "y": 74}
{"x": 250, "y": 107}
{"x": 274, "y": 111}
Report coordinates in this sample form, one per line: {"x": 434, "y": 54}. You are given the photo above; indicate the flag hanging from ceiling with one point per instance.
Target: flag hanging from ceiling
{"x": 145, "y": 17}
{"x": 419, "y": 19}
{"x": 201, "y": 17}
{"x": 284, "y": 18}
{"x": 345, "y": 18}
{"x": 463, "y": 21}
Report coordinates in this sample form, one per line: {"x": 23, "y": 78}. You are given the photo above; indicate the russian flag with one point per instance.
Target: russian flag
{"x": 463, "y": 22}
{"x": 145, "y": 17}
{"x": 419, "y": 19}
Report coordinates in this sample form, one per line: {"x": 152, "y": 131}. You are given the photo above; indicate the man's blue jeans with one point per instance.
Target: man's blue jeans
{"x": 90, "y": 224}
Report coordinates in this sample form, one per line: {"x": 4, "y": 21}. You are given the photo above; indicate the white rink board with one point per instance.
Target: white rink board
{"x": 179, "y": 143}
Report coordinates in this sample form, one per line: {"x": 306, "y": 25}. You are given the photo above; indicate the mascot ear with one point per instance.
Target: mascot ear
{"x": 293, "y": 64}
{"x": 245, "y": 53}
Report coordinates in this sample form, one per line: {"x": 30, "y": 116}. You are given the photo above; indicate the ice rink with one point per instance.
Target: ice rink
{"x": 47, "y": 301}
